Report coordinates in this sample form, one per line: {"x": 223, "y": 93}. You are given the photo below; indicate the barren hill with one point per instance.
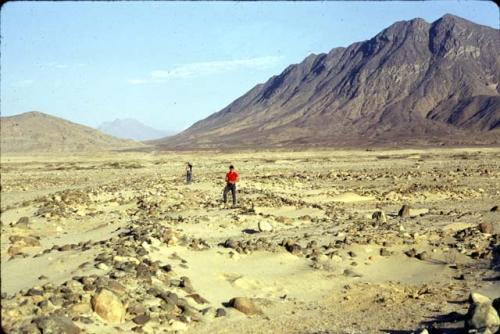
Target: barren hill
{"x": 39, "y": 132}
{"x": 415, "y": 82}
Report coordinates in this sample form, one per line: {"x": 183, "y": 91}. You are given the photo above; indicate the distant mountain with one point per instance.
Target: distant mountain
{"x": 132, "y": 129}
{"x": 414, "y": 83}
{"x": 39, "y": 132}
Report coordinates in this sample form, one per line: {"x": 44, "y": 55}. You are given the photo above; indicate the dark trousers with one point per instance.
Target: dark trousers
{"x": 229, "y": 187}
{"x": 189, "y": 176}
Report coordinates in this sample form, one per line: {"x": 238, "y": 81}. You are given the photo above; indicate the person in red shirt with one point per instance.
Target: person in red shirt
{"x": 231, "y": 178}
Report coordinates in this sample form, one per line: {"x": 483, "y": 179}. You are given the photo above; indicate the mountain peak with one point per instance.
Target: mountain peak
{"x": 415, "y": 82}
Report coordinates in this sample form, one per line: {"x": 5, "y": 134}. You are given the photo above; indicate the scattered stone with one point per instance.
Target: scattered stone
{"x": 197, "y": 298}
{"x": 424, "y": 256}
{"x": 108, "y": 306}
{"x": 486, "y": 228}
{"x": 404, "y": 212}
{"x": 379, "y": 216}
{"x": 245, "y": 305}
{"x": 220, "y": 312}
{"x": 483, "y": 316}
{"x": 265, "y": 227}
{"x": 141, "y": 319}
{"x": 170, "y": 237}
{"x": 23, "y": 222}
{"x": 56, "y": 324}
{"x": 385, "y": 252}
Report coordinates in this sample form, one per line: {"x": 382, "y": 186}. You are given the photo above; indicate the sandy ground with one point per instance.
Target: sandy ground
{"x": 327, "y": 265}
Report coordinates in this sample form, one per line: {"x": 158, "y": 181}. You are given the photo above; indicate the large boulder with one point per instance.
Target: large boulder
{"x": 482, "y": 315}
{"x": 108, "y": 306}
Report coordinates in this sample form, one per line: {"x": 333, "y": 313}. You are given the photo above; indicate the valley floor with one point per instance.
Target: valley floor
{"x": 303, "y": 243}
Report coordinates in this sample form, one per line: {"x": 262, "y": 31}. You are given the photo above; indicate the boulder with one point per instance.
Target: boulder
{"x": 379, "y": 216}
{"x": 56, "y": 325}
{"x": 404, "y": 212}
{"x": 108, "y": 306}
{"x": 486, "y": 228}
{"x": 245, "y": 305}
{"x": 265, "y": 227}
{"x": 483, "y": 316}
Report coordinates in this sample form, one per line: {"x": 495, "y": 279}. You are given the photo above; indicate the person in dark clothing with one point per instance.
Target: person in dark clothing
{"x": 189, "y": 173}
{"x": 231, "y": 178}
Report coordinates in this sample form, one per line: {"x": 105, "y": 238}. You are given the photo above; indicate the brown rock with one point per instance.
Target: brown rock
{"x": 404, "y": 211}
{"x": 141, "y": 319}
{"x": 244, "y": 305}
{"x": 486, "y": 228}
{"x": 108, "y": 306}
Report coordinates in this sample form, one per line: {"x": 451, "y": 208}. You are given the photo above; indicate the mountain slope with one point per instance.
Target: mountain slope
{"x": 414, "y": 82}
{"x": 39, "y": 132}
{"x": 131, "y": 129}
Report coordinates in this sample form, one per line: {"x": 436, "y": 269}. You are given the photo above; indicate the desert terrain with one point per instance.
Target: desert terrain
{"x": 319, "y": 241}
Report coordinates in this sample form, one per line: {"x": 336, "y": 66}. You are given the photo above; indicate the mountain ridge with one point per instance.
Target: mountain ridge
{"x": 409, "y": 83}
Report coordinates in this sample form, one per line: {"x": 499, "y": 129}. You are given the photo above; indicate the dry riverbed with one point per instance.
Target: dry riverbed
{"x": 374, "y": 241}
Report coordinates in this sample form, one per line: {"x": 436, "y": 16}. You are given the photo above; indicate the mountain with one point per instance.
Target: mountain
{"x": 131, "y": 129}
{"x": 414, "y": 83}
{"x": 39, "y": 132}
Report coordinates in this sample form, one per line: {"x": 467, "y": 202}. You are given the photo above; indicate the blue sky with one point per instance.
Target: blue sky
{"x": 170, "y": 64}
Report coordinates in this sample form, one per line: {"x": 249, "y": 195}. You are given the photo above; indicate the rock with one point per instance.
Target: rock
{"x": 477, "y": 298}
{"x": 141, "y": 319}
{"x": 56, "y": 325}
{"x": 108, "y": 306}
{"x": 486, "y": 228}
{"x": 384, "y": 252}
{"x": 265, "y": 227}
{"x": 23, "y": 241}
{"x": 404, "y": 212}
{"x": 424, "y": 256}
{"x": 170, "y": 237}
{"x": 379, "y": 216}
{"x": 496, "y": 304}
{"x": 136, "y": 309}
{"x": 102, "y": 266}
{"x": 220, "y": 312}
{"x": 197, "y": 298}
{"x": 143, "y": 272}
{"x": 244, "y": 305}
{"x": 23, "y": 222}
{"x": 81, "y": 308}
{"x": 482, "y": 316}
{"x": 494, "y": 209}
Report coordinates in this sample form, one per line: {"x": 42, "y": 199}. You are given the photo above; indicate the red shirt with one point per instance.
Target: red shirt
{"x": 232, "y": 177}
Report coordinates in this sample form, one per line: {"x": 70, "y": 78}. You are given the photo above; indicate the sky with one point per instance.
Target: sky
{"x": 170, "y": 64}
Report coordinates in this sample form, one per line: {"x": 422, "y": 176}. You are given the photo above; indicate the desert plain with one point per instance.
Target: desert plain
{"x": 325, "y": 241}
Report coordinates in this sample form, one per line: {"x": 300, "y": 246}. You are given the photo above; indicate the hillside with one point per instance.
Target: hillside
{"x": 413, "y": 83}
{"x": 39, "y": 132}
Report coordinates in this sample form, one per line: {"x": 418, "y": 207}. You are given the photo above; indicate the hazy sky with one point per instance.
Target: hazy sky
{"x": 169, "y": 64}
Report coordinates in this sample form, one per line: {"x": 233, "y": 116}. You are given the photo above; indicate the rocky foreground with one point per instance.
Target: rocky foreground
{"x": 324, "y": 242}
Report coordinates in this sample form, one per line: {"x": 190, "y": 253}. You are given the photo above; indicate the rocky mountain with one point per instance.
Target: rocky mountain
{"x": 413, "y": 83}
{"x": 39, "y": 132}
{"x": 132, "y": 129}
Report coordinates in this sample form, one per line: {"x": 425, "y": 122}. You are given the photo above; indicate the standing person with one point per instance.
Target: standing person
{"x": 231, "y": 178}
{"x": 189, "y": 173}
